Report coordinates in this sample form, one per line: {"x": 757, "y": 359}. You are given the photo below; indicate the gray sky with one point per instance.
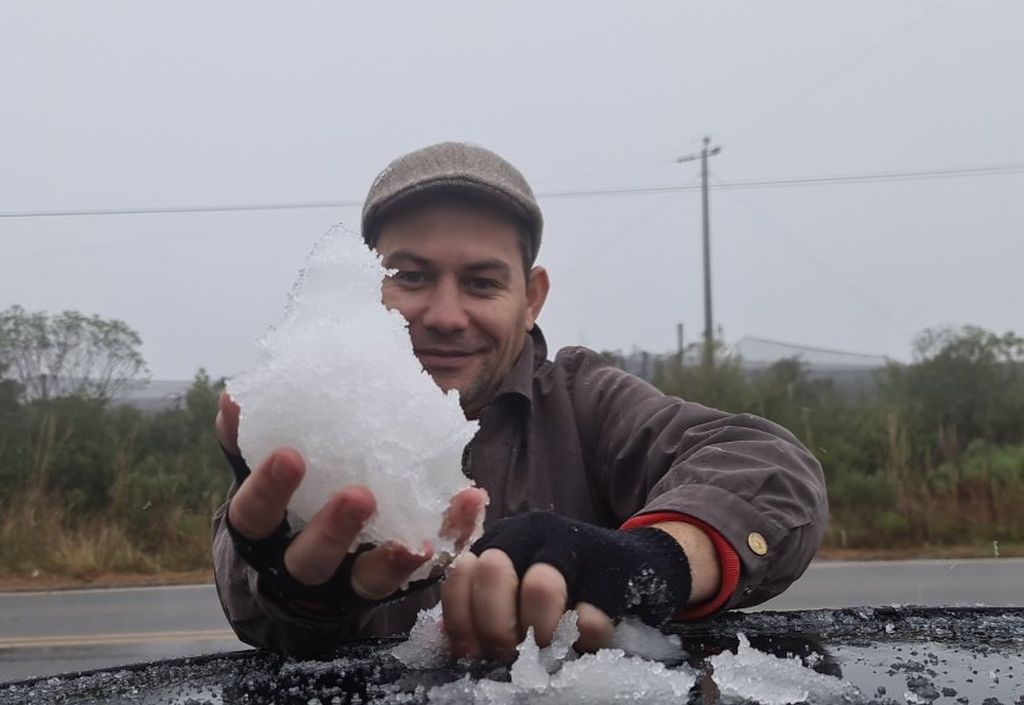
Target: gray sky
{"x": 128, "y": 104}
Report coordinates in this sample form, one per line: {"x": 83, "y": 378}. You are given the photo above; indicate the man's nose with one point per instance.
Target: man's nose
{"x": 445, "y": 312}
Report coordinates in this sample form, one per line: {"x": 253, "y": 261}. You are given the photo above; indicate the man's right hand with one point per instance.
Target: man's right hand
{"x": 259, "y": 506}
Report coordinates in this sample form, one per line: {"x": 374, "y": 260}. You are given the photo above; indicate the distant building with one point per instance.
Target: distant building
{"x": 849, "y": 371}
{"x": 763, "y": 352}
{"x": 155, "y": 395}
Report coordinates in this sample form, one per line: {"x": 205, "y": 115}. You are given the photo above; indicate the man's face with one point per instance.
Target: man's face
{"x": 461, "y": 285}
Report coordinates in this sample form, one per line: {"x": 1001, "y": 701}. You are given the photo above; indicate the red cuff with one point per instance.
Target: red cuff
{"x": 728, "y": 560}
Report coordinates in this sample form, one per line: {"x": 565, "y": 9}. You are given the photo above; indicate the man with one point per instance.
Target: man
{"x": 604, "y": 495}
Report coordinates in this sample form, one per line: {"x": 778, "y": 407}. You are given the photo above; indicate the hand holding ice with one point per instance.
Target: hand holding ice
{"x": 338, "y": 381}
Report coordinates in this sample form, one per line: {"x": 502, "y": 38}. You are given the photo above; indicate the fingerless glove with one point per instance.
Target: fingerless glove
{"x": 640, "y": 571}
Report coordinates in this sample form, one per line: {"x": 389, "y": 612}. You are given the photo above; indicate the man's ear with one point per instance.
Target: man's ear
{"x": 537, "y": 288}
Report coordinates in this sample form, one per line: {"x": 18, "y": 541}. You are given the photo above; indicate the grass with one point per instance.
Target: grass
{"x": 43, "y": 546}
{"x": 953, "y": 551}
{"x": 41, "y": 582}
{"x": 39, "y": 537}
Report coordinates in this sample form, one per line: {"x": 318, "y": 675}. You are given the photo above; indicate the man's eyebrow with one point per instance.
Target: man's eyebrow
{"x": 500, "y": 266}
{"x": 405, "y": 256}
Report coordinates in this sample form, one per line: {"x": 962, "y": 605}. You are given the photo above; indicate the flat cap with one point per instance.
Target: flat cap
{"x": 453, "y": 169}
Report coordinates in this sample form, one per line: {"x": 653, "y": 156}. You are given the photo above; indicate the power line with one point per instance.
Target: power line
{"x": 796, "y": 243}
{"x": 46, "y": 254}
{"x": 836, "y": 72}
{"x": 825, "y": 180}
{"x": 600, "y": 247}
{"x": 814, "y": 348}
{"x": 150, "y": 210}
{"x": 783, "y": 182}
{"x": 879, "y": 177}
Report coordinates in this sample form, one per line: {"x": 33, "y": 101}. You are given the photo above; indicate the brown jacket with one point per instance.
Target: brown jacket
{"x": 585, "y": 439}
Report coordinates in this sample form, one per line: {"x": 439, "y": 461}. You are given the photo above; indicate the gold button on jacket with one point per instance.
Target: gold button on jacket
{"x": 757, "y": 543}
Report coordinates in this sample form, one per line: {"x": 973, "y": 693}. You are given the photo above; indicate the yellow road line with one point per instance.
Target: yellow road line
{"x": 28, "y": 642}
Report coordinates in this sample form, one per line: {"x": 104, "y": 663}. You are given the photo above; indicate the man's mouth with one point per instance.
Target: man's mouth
{"x": 442, "y": 352}
{"x": 442, "y": 357}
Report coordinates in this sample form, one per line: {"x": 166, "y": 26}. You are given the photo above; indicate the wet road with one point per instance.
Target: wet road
{"x": 43, "y": 633}
{"x": 57, "y": 632}
{"x": 994, "y": 582}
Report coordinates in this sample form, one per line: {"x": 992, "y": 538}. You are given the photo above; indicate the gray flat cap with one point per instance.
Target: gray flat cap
{"x": 452, "y": 169}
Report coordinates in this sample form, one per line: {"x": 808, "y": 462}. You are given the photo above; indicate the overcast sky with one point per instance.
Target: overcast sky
{"x": 114, "y": 105}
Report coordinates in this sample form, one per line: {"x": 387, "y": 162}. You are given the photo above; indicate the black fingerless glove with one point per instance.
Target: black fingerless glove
{"x": 266, "y": 556}
{"x": 238, "y": 465}
{"x": 638, "y": 571}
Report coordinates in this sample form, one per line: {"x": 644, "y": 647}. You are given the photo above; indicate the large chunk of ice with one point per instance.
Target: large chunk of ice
{"x": 427, "y": 645}
{"x": 528, "y": 672}
{"x": 638, "y": 639}
{"x": 770, "y": 680}
{"x": 567, "y": 633}
{"x": 338, "y": 381}
{"x": 608, "y": 676}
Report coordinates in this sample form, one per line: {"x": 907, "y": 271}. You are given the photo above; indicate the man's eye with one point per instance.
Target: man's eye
{"x": 409, "y": 277}
{"x": 482, "y": 284}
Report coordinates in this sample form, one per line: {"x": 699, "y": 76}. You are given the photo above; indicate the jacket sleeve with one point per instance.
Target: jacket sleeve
{"x": 747, "y": 478}
{"x": 259, "y": 620}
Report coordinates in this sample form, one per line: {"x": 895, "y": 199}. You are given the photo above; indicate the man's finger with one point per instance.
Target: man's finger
{"x": 457, "y": 607}
{"x": 542, "y": 601}
{"x": 464, "y": 515}
{"x": 596, "y": 627}
{"x": 227, "y": 423}
{"x": 493, "y": 597}
{"x": 259, "y": 505}
{"x": 318, "y": 550}
{"x": 385, "y": 569}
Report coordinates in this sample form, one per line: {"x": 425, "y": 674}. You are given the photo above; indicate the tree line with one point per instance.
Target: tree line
{"x": 932, "y": 452}
{"x": 88, "y": 485}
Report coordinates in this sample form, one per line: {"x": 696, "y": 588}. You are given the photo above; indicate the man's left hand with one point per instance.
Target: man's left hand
{"x": 527, "y": 570}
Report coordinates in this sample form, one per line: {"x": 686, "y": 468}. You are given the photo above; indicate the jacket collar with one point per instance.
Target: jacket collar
{"x": 519, "y": 380}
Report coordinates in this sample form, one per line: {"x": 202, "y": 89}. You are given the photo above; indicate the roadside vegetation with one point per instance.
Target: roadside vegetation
{"x": 930, "y": 454}
{"x": 929, "y": 458}
{"x": 87, "y": 487}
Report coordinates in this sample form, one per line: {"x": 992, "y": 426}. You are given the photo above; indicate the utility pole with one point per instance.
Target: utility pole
{"x": 709, "y": 330}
